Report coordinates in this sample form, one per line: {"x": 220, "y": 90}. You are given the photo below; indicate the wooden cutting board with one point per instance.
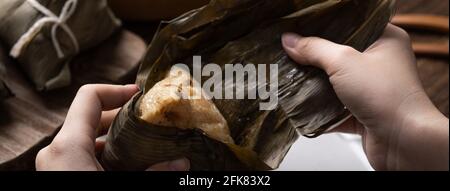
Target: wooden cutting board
{"x": 29, "y": 120}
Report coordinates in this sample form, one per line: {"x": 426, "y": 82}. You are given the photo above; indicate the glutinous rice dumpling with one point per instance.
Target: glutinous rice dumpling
{"x": 44, "y": 35}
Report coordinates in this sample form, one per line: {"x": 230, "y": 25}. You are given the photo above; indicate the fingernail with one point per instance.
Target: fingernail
{"x": 179, "y": 165}
{"x": 290, "y": 39}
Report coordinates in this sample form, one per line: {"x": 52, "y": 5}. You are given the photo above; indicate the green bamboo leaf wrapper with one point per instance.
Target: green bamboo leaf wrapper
{"x": 91, "y": 23}
{"x": 246, "y": 32}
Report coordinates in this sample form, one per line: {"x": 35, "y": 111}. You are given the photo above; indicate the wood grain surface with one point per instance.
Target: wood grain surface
{"x": 29, "y": 120}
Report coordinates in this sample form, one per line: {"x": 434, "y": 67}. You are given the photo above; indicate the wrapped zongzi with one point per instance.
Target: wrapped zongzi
{"x": 164, "y": 123}
{"x": 44, "y": 35}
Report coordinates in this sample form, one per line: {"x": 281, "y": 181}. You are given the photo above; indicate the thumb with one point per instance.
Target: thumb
{"x": 317, "y": 52}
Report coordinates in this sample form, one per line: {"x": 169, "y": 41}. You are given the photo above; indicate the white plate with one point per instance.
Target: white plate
{"x": 332, "y": 152}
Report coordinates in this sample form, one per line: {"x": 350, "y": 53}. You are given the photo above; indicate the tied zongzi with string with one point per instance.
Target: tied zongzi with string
{"x": 159, "y": 124}
{"x": 44, "y": 35}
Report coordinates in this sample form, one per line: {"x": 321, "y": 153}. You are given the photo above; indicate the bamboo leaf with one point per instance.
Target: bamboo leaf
{"x": 248, "y": 32}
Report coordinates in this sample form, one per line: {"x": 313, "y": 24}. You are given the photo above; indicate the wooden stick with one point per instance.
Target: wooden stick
{"x": 422, "y": 21}
{"x": 432, "y": 23}
{"x": 431, "y": 49}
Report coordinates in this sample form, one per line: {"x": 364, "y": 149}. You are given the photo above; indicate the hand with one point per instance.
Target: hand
{"x": 74, "y": 148}
{"x": 401, "y": 128}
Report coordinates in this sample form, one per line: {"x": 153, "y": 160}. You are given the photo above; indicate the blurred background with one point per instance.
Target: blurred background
{"x": 33, "y": 123}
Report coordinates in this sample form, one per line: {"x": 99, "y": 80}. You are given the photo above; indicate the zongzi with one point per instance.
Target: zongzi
{"x": 44, "y": 35}
{"x": 169, "y": 104}
{"x": 228, "y": 32}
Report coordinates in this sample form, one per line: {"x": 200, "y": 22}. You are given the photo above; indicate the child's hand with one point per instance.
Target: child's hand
{"x": 401, "y": 128}
{"x": 74, "y": 146}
